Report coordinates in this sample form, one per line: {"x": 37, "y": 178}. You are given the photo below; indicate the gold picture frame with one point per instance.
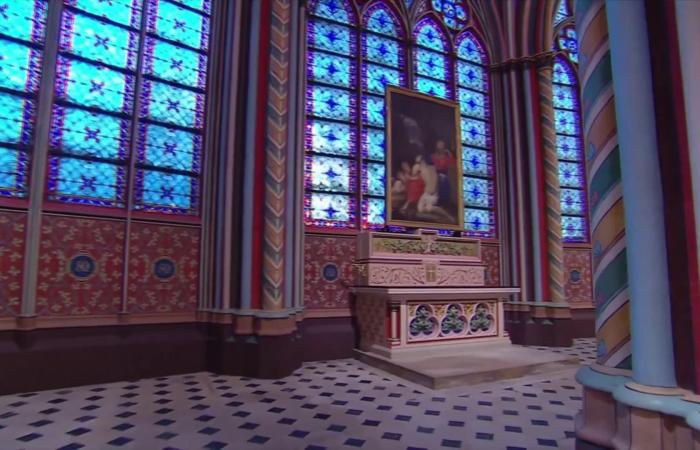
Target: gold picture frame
{"x": 428, "y": 162}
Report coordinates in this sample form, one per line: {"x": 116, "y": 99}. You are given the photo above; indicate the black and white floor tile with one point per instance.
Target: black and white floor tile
{"x": 340, "y": 404}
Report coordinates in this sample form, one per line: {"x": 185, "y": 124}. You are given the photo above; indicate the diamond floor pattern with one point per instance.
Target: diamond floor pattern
{"x": 340, "y": 404}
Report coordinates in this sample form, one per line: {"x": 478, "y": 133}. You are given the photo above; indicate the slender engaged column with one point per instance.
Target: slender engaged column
{"x": 550, "y": 163}
{"x": 652, "y": 343}
{"x": 606, "y": 208}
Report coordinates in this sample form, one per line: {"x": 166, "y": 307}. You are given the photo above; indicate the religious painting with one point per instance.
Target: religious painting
{"x": 424, "y": 167}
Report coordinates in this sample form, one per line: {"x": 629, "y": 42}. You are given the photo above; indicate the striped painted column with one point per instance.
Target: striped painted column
{"x": 550, "y": 164}
{"x": 610, "y": 280}
{"x": 276, "y": 147}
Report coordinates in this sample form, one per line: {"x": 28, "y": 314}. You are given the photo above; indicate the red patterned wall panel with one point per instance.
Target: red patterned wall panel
{"x": 577, "y": 270}
{"x": 163, "y": 268}
{"x": 80, "y": 266}
{"x": 328, "y": 271}
{"x": 12, "y": 232}
{"x": 490, "y": 254}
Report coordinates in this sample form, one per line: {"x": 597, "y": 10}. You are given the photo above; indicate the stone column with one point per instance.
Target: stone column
{"x": 606, "y": 211}
{"x": 652, "y": 342}
{"x": 550, "y": 166}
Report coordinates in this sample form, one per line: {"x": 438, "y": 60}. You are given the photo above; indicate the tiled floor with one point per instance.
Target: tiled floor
{"x": 339, "y": 404}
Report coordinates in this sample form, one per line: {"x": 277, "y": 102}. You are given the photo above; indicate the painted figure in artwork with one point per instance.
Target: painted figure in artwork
{"x": 444, "y": 161}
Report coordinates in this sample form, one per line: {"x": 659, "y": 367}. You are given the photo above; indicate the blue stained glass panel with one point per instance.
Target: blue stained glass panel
{"x": 378, "y": 77}
{"x": 471, "y": 76}
{"x": 571, "y": 175}
{"x": 338, "y": 10}
{"x": 24, "y": 19}
{"x": 373, "y": 176}
{"x": 431, "y": 64}
{"x": 454, "y": 12}
{"x": 477, "y": 192}
{"x": 16, "y": 118}
{"x": 200, "y": 5}
{"x": 428, "y": 35}
{"x": 98, "y": 41}
{"x": 569, "y": 147}
{"x": 374, "y": 145}
{"x": 562, "y": 73}
{"x": 79, "y": 181}
{"x": 572, "y": 201}
{"x": 329, "y": 209}
{"x": 330, "y": 69}
{"x": 374, "y": 211}
{"x": 178, "y": 24}
{"x": 177, "y": 64}
{"x": 566, "y": 122}
{"x": 20, "y": 67}
{"x": 329, "y": 174}
{"x": 474, "y": 133}
{"x": 568, "y": 42}
{"x": 331, "y": 37}
{"x": 90, "y": 85}
{"x": 381, "y": 21}
{"x": 125, "y": 12}
{"x": 564, "y": 97}
{"x": 373, "y": 110}
{"x": 573, "y": 229}
{"x": 330, "y": 103}
{"x": 330, "y": 137}
{"x": 13, "y": 170}
{"x": 562, "y": 12}
{"x": 168, "y": 104}
{"x": 431, "y": 87}
{"x": 476, "y": 161}
{"x": 169, "y": 148}
{"x": 166, "y": 191}
{"x": 81, "y": 132}
{"x": 478, "y": 221}
{"x": 472, "y": 104}
{"x": 469, "y": 49}
{"x": 382, "y": 50}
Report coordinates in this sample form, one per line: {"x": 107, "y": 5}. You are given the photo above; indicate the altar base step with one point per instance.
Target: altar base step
{"x": 481, "y": 363}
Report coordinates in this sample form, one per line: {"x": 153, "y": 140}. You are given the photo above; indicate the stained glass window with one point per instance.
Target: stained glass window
{"x": 562, "y": 12}
{"x": 454, "y": 12}
{"x": 570, "y": 151}
{"x": 382, "y": 65}
{"x": 477, "y": 159}
{"x": 350, "y": 61}
{"x": 331, "y": 110}
{"x": 22, "y": 32}
{"x": 567, "y": 42}
{"x": 432, "y": 74}
{"x": 96, "y": 131}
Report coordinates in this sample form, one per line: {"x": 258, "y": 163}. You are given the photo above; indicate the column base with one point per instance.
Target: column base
{"x": 539, "y": 324}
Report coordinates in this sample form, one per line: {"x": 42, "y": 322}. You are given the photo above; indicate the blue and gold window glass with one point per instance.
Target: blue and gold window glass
{"x": 22, "y": 33}
{"x": 382, "y": 65}
{"x": 477, "y": 157}
{"x": 331, "y": 116}
{"x": 572, "y": 179}
{"x": 96, "y": 132}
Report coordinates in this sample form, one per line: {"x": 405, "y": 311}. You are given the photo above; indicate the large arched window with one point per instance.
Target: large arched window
{"x": 127, "y": 111}
{"x": 356, "y": 49}
{"x": 567, "y": 118}
{"x": 22, "y": 33}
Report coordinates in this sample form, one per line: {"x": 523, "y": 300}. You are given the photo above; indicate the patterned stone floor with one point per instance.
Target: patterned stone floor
{"x": 340, "y": 404}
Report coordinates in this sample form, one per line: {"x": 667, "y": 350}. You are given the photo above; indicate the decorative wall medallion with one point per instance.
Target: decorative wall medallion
{"x": 164, "y": 269}
{"x": 82, "y": 266}
{"x": 575, "y": 275}
{"x": 330, "y": 272}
